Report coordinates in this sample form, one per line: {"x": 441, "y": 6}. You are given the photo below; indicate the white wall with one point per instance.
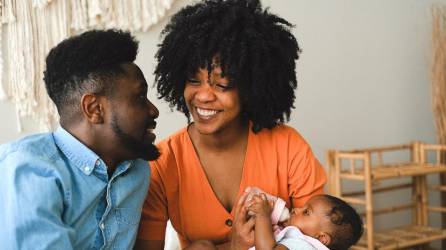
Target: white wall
{"x": 363, "y": 74}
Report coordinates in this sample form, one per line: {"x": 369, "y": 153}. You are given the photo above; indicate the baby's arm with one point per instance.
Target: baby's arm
{"x": 263, "y": 234}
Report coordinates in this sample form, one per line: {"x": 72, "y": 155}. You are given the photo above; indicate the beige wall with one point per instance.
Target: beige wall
{"x": 363, "y": 74}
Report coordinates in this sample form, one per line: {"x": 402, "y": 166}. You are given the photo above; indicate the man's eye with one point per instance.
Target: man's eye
{"x": 142, "y": 97}
{"x": 306, "y": 212}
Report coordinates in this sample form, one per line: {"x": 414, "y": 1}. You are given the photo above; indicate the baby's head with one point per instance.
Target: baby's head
{"x": 330, "y": 220}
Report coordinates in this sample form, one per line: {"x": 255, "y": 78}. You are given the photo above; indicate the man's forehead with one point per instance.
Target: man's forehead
{"x": 133, "y": 74}
{"x": 132, "y": 70}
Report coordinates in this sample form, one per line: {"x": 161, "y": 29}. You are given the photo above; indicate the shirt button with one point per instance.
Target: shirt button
{"x": 102, "y": 226}
{"x": 87, "y": 169}
{"x": 228, "y": 222}
{"x": 98, "y": 162}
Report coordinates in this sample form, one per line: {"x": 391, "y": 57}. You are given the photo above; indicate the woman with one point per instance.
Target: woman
{"x": 230, "y": 66}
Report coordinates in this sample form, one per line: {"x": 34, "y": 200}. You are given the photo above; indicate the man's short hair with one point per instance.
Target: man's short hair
{"x": 86, "y": 63}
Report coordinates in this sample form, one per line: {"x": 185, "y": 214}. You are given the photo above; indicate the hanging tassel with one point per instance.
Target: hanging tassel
{"x": 2, "y": 91}
{"x": 33, "y": 27}
{"x": 41, "y": 3}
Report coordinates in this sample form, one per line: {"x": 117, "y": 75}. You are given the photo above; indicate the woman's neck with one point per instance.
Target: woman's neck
{"x": 222, "y": 140}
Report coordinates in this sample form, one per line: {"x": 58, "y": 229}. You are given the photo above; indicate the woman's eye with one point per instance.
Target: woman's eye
{"x": 193, "y": 81}
{"x": 223, "y": 87}
{"x": 306, "y": 212}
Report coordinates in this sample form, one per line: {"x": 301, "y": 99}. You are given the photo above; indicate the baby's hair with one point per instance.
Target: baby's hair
{"x": 346, "y": 222}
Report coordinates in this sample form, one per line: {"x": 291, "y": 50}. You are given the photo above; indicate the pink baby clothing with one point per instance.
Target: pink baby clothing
{"x": 293, "y": 239}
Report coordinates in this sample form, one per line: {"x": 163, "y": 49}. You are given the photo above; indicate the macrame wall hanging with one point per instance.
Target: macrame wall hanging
{"x": 30, "y": 28}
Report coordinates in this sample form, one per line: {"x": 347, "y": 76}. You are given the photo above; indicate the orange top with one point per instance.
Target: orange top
{"x": 278, "y": 161}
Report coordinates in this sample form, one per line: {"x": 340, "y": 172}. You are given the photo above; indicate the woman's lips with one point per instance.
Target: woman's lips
{"x": 206, "y": 114}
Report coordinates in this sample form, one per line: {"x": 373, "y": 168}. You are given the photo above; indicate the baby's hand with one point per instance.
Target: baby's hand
{"x": 260, "y": 206}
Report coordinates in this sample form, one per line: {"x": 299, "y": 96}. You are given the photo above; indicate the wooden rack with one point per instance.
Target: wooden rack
{"x": 369, "y": 166}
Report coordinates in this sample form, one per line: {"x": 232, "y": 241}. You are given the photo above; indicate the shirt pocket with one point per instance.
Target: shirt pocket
{"x": 127, "y": 217}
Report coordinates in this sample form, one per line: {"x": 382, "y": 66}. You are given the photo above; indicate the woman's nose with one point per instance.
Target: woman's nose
{"x": 205, "y": 93}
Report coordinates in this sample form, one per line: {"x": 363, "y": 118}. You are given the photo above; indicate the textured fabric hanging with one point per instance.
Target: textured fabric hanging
{"x": 30, "y": 28}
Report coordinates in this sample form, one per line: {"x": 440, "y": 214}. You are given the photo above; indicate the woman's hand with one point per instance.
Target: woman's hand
{"x": 242, "y": 236}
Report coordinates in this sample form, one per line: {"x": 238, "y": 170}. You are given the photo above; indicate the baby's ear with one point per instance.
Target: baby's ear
{"x": 325, "y": 238}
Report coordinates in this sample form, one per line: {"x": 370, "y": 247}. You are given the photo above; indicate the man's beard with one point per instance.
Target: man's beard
{"x": 146, "y": 151}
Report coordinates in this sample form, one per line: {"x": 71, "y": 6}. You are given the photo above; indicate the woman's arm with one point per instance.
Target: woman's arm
{"x": 306, "y": 176}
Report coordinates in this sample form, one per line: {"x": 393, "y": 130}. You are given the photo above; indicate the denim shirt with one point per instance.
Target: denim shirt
{"x": 55, "y": 194}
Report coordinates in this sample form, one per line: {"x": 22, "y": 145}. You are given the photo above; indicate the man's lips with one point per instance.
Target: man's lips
{"x": 151, "y": 125}
{"x": 149, "y": 131}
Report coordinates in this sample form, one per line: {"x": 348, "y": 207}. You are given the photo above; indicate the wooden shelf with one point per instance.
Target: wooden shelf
{"x": 369, "y": 166}
{"x": 395, "y": 171}
{"x": 402, "y": 237}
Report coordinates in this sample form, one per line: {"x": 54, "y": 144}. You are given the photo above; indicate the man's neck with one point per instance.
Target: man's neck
{"x": 95, "y": 142}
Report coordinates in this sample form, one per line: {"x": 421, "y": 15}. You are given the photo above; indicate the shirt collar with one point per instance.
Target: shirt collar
{"x": 77, "y": 152}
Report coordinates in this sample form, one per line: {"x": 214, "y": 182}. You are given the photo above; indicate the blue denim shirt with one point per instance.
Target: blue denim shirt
{"x": 55, "y": 194}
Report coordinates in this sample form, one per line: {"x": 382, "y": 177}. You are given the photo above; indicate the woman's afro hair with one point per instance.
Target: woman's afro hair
{"x": 255, "y": 49}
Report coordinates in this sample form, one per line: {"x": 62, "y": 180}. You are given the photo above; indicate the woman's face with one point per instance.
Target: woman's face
{"x": 212, "y": 101}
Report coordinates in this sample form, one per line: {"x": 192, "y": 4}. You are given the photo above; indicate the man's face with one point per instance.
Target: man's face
{"x": 132, "y": 117}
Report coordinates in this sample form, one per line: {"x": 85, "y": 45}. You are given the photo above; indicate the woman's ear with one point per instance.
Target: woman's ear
{"x": 325, "y": 238}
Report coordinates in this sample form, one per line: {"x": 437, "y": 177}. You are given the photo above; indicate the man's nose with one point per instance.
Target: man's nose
{"x": 153, "y": 111}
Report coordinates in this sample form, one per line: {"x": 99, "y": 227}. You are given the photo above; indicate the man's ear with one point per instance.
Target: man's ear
{"x": 324, "y": 238}
{"x": 93, "y": 108}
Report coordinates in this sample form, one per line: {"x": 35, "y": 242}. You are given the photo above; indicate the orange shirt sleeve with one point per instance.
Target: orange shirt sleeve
{"x": 154, "y": 214}
{"x": 306, "y": 176}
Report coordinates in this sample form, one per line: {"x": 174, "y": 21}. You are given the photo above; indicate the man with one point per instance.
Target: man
{"x": 83, "y": 186}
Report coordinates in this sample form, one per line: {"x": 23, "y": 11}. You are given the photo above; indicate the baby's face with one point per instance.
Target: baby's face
{"x": 311, "y": 218}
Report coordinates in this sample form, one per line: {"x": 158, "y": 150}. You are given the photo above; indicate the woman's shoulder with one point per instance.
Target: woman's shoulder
{"x": 172, "y": 149}
{"x": 176, "y": 139}
{"x": 281, "y": 133}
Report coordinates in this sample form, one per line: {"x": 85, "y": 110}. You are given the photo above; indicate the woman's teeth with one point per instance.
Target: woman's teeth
{"x": 206, "y": 112}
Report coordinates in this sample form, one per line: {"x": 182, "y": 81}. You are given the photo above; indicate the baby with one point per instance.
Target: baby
{"x": 325, "y": 222}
